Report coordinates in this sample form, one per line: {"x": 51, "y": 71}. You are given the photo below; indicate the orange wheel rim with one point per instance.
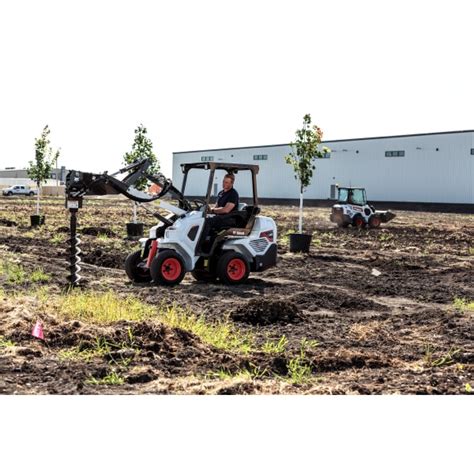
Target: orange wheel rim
{"x": 236, "y": 269}
{"x": 171, "y": 269}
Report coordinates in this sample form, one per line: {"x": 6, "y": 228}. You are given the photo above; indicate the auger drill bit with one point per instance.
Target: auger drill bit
{"x": 74, "y": 251}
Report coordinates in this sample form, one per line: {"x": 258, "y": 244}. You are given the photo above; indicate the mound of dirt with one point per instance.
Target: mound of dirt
{"x": 261, "y": 312}
{"x": 334, "y": 300}
{"x": 102, "y": 259}
{"x": 98, "y": 231}
{"x": 344, "y": 359}
{"x": 7, "y": 223}
{"x": 62, "y": 230}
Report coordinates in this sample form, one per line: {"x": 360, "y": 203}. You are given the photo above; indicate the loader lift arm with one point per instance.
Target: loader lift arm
{"x": 79, "y": 184}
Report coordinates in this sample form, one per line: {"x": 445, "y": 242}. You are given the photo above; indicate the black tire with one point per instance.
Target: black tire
{"x": 135, "y": 269}
{"x": 233, "y": 268}
{"x": 31, "y": 194}
{"x": 374, "y": 221}
{"x": 358, "y": 221}
{"x": 9, "y": 193}
{"x": 167, "y": 268}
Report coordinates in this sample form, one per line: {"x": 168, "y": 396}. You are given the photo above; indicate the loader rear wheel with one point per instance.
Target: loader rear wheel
{"x": 167, "y": 268}
{"x": 374, "y": 221}
{"x": 233, "y": 268}
{"x": 358, "y": 221}
{"x": 136, "y": 269}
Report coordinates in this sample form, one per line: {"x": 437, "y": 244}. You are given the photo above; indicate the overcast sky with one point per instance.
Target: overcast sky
{"x": 210, "y": 74}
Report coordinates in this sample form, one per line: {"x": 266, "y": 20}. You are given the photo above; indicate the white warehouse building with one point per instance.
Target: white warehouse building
{"x": 420, "y": 168}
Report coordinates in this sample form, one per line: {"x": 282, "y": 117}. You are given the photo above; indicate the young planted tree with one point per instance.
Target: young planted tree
{"x": 39, "y": 170}
{"x": 305, "y": 149}
{"x": 142, "y": 147}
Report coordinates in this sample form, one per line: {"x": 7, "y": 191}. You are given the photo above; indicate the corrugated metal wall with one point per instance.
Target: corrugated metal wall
{"x": 437, "y": 168}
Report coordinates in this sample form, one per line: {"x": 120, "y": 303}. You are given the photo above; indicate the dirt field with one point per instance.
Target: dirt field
{"x": 323, "y": 323}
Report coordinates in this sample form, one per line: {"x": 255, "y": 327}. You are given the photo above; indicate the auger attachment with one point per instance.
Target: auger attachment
{"x": 74, "y": 257}
{"x": 80, "y": 184}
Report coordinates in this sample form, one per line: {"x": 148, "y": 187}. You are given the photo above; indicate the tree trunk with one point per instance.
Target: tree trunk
{"x": 300, "y": 221}
{"x": 38, "y": 201}
{"x": 134, "y": 212}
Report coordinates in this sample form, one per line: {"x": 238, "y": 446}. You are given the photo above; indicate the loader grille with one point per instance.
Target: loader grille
{"x": 259, "y": 245}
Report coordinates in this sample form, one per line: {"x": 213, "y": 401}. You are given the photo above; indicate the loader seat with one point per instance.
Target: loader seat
{"x": 246, "y": 216}
{"x": 245, "y": 220}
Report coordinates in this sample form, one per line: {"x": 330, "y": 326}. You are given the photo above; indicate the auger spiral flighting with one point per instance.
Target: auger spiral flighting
{"x": 74, "y": 251}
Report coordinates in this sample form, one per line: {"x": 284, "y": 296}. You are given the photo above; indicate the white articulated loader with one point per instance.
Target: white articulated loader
{"x": 179, "y": 244}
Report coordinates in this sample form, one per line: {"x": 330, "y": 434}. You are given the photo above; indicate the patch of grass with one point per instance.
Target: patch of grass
{"x": 13, "y": 272}
{"x": 223, "y": 335}
{"x": 38, "y": 276}
{"x": 299, "y": 367}
{"x": 57, "y": 239}
{"x": 468, "y": 388}
{"x": 385, "y": 237}
{"x": 103, "y": 308}
{"x": 463, "y": 304}
{"x": 103, "y": 237}
{"x": 5, "y": 342}
{"x": 111, "y": 378}
{"x": 299, "y": 371}
{"x": 271, "y": 347}
{"x": 16, "y": 274}
{"x": 445, "y": 359}
{"x": 471, "y": 250}
{"x": 253, "y": 373}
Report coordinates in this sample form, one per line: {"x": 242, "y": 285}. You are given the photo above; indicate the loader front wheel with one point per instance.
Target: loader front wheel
{"x": 167, "y": 268}
{"x": 358, "y": 221}
{"x": 374, "y": 221}
{"x": 136, "y": 269}
{"x": 233, "y": 268}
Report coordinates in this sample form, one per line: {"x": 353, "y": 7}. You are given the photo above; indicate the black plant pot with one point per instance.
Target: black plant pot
{"x": 134, "y": 230}
{"x": 36, "y": 220}
{"x": 300, "y": 242}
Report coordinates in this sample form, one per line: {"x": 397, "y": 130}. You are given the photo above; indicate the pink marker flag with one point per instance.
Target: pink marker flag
{"x": 38, "y": 331}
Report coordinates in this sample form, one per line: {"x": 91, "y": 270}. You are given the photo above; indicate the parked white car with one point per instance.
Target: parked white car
{"x": 19, "y": 190}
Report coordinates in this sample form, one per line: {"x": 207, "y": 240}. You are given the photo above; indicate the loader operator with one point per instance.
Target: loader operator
{"x": 227, "y": 199}
{"x": 227, "y": 202}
